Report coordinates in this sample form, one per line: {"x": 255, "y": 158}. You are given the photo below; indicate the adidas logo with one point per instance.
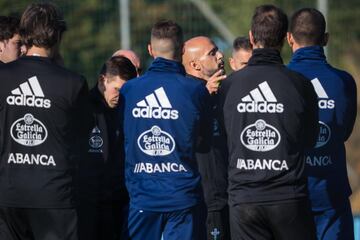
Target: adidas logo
{"x": 29, "y": 94}
{"x": 324, "y": 101}
{"x": 155, "y": 105}
{"x": 261, "y": 100}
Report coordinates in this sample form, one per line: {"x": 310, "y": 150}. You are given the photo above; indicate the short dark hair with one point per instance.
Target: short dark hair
{"x": 269, "y": 26}
{"x": 119, "y": 66}
{"x": 167, "y": 29}
{"x": 41, "y": 25}
{"x": 9, "y": 26}
{"x": 242, "y": 43}
{"x": 308, "y": 26}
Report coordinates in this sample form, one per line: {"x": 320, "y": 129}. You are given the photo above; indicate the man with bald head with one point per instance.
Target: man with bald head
{"x": 162, "y": 112}
{"x": 204, "y": 62}
{"x": 132, "y": 56}
{"x": 202, "y": 59}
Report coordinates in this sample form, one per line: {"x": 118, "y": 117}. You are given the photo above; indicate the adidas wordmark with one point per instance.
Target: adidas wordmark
{"x": 261, "y": 100}
{"x": 155, "y": 105}
{"x": 29, "y": 94}
{"x": 324, "y": 101}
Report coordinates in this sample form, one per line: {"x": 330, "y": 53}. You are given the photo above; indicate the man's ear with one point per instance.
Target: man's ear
{"x": 2, "y": 47}
{"x": 326, "y": 39}
{"x": 101, "y": 83}
{"x": 232, "y": 63}
{"x": 194, "y": 65}
{"x": 150, "y": 50}
{"x": 251, "y": 38}
{"x": 290, "y": 39}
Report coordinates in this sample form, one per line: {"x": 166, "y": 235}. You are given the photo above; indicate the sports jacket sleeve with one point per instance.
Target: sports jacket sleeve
{"x": 351, "y": 106}
{"x": 312, "y": 115}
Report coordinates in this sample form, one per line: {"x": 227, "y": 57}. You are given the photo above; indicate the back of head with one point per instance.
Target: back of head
{"x": 269, "y": 26}
{"x": 119, "y": 66}
{"x": 308, "y": 26}
{"x": 9, "y": 26}
{"x": 242, "y": 43}
{"x": 131, "y": 55}
{"x": 41, "y": 25}
{"x": 167, "y": 40}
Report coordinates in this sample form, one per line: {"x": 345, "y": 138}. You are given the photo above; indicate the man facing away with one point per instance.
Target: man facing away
{"x": 103, "y": 196}
{"x": 270, "y": 115}
{"x": 241, "y": 53}
{"x": 9, "y": 39}
{"x": 203, "y": 61}
{"x": 328, "y": 183}
{"x": 162, "y": 111}
{"x": 44, "y": 121}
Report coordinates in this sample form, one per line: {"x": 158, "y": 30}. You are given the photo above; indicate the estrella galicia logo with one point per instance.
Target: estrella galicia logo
{"x": 260, "y": 137}
{"x": 324, "y": 135}
{"x": 155, "y": 142}
{"x": 28, "y": 131}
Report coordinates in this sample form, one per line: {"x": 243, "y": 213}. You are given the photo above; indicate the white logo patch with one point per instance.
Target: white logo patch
{"x": 155, "y": 105}
{"x": 324, "y": 101}
{"x": 155, "y": 142}
{"x": 260, "y": 137}
{"x": 261, "y": 100}
{"x": 324, "y": 135}
{"x": 29, "y": 94}
{"x": 28, "y": 131}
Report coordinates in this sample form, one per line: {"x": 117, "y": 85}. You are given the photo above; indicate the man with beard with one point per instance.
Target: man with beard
{"x": 203, "y": 61}
{"x": 102, "y": 195}
{"x": 241, "y": 53}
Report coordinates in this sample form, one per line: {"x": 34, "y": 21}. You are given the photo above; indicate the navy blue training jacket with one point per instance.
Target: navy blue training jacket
{"x": 162, "y": 110}
{"x": 326, "y": 163}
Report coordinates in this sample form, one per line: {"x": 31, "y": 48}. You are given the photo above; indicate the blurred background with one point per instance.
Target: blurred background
{"x": 96, "y": 28}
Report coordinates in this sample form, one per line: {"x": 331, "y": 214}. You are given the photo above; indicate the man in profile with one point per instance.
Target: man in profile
{"x": 103, "y": 196}
{"x": 241, "y": 53}
{"x": 9, "y": 39}
{"x": 328, "y": 182}
{"x": 203, "y": 61}
{"x": 162, "y": 109}
{"x": 44, "y": 124}
{"x": 270, "y": 116}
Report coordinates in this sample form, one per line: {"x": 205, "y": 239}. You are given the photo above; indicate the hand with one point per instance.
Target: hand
{"x": 214, "y": 81}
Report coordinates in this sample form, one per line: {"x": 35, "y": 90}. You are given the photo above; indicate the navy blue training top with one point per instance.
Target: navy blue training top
{"x": 326, "y": 163}
{"x": 161, "y": 112}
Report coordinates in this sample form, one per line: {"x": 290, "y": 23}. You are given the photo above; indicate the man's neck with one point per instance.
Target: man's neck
{"x": 40, "y": 52}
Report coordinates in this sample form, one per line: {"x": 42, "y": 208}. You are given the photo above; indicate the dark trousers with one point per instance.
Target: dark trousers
{"x": 101, "y": 221}
{"x": 217, "y": 224}
{"x": 38, "y": 224}
{"x": 278, "y": 221}
{"x": 186, "y": 224}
